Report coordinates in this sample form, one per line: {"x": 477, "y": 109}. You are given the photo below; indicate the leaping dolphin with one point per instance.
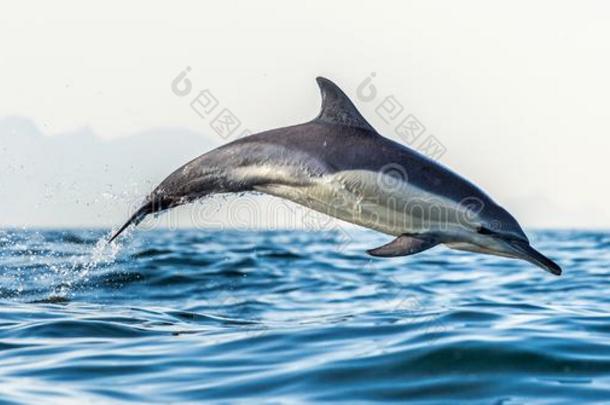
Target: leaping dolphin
{"x": 340, "y": 165}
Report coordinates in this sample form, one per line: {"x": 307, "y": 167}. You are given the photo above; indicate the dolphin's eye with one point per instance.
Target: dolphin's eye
{"x": 484, "y": 231}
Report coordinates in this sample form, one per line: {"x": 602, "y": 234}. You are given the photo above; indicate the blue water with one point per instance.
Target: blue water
{"x": 284, "y": 316}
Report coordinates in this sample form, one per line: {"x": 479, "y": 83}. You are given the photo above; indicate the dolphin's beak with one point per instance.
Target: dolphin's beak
{"x": 523, "y": 250}
{"x": 513, "y": 248}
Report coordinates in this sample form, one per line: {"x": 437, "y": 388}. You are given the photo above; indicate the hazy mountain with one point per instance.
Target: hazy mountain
{"x": 78, "y": 178}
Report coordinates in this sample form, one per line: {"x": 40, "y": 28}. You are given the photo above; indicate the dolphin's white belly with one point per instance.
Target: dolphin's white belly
{"x": 374, "y": 200}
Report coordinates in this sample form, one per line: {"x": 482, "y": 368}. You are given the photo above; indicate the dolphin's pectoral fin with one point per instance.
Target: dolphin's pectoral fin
{"x": 405, "y": 245}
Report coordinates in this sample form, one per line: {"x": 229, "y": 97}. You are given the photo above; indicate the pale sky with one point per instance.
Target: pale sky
{"x": 517, "y": 92}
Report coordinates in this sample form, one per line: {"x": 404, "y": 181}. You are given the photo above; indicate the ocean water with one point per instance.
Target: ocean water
{"x": 297, "y": 317}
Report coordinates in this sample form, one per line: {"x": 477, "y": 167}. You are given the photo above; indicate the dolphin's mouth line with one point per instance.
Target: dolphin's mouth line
{"x": 523, "y": 250}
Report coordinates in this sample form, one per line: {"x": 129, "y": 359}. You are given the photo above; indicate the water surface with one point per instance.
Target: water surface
{"x": 250, "y": 316}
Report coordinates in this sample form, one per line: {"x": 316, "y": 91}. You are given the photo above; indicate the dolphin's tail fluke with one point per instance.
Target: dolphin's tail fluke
{"x": 135, "y": 219}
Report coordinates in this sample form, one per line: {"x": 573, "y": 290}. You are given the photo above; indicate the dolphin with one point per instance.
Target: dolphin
{"x": 338, "y": 164}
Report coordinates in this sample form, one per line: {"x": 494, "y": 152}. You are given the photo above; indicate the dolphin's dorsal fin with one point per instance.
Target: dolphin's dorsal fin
{"x": 337, "y": 108}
